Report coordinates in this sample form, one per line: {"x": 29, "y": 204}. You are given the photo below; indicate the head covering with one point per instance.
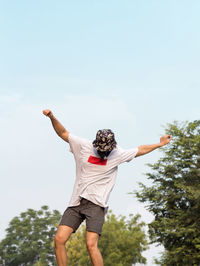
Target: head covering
{"x": 105, "y": 140}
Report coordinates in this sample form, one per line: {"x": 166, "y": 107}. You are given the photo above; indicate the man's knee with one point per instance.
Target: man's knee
{"x": 91, "y": 245}
{"x": 62, "y": 235}
{"x": 59, "y": 240}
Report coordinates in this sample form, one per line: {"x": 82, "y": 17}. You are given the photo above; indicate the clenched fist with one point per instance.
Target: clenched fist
{"x": 48, "y": 113}
{"x": 165, "y": 140}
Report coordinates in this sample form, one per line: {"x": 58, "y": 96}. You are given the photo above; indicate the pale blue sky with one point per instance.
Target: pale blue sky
{"x": 132, "y": 66}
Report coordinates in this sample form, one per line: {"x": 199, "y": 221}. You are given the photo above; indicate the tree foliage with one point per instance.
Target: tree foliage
{"x": 174, "y": 197}
{"x": 29, "y": 239}
{"x": 121, "y": 243}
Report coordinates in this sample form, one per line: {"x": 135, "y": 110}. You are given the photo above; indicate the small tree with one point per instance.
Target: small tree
{"x": 29, "y": 238}
{"x": 174, "y": 197}
{"x": 121, "y": 243}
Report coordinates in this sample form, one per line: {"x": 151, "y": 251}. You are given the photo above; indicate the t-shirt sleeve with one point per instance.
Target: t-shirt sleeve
{"x": 75, "y": 143}
{"x": 127, "y": 155}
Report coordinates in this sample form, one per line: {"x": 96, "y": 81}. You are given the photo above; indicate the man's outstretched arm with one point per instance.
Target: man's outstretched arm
{"x": 144, "y": 149}
{"x": 58, "y": 127}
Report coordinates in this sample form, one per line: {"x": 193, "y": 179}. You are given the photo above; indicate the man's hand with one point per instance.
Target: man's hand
{"x": 144, "y": 149}
{"x": 165, "y": 140}
{"x": 48, "y": 113}
{"x": 58, "y": 127}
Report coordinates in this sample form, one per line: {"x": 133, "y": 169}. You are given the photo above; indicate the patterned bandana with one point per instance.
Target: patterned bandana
{"x": 105, "y": 140}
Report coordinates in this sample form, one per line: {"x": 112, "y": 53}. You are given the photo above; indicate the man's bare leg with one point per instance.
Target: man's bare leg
{"x": 92, "y": 246}
{"x": 61, "y": 237}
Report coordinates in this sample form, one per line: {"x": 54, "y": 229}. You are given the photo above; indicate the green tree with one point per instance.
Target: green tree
{"x": 123, "y": 240}
{"x": 174, "y": 197}
{"x": 121, "y": 243}
{"x": 29, "y": 239}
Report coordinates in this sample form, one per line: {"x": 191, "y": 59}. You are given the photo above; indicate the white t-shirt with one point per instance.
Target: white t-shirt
{"x": 95, "y": 178}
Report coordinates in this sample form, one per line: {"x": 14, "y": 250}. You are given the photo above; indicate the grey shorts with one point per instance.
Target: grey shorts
{"x": 94, "y": 215}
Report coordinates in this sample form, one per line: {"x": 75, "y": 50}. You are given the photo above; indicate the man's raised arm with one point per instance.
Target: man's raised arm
{"x": 144, "y": 149}
{"x": 60, "y": 130}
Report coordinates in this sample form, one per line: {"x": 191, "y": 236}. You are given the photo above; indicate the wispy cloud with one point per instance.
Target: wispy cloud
{"x": 10, "y": 98}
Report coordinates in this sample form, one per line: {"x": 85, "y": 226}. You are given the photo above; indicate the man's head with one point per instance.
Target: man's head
{"x": 105, "y": 142}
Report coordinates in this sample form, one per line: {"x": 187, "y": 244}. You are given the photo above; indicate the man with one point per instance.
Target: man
{"x": 96, "y": 170}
